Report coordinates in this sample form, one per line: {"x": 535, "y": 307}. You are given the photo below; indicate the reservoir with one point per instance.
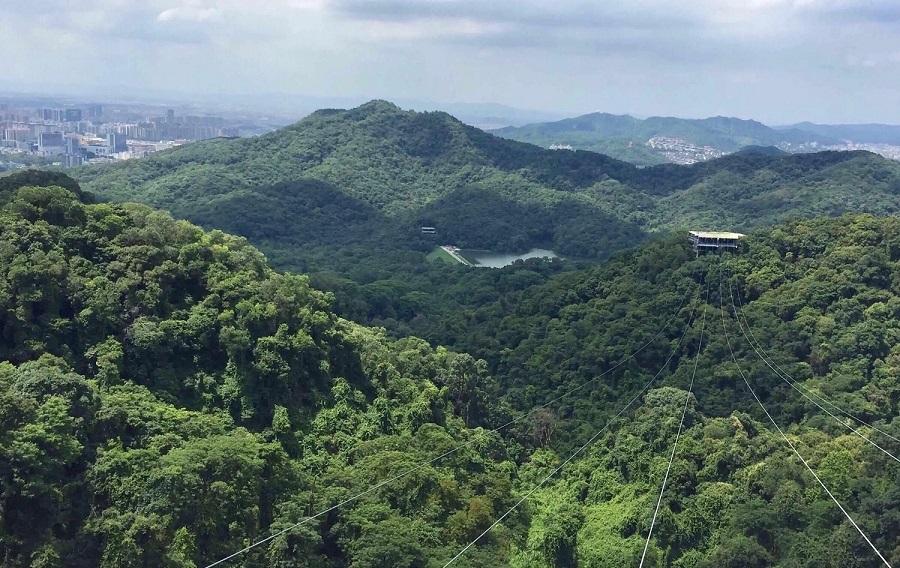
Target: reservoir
{"x": 491, "y": 259}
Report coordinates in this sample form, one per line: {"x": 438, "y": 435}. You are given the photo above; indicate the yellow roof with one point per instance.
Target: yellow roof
{"x": 717, "y": 235}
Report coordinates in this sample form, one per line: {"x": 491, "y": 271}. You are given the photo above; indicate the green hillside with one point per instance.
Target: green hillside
{"x": 821, "y": 297}
{"x": 167, "y": 398}
{"x": 625, "y": 137}
{"x": 374, "y": 171}
{"x": 371, "y": 176}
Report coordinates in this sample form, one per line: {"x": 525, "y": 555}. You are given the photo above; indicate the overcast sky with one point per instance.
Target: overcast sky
{"x": 775, "y": 60}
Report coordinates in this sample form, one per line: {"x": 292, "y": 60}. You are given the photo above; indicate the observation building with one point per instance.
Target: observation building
{"x": 714, "y": 241}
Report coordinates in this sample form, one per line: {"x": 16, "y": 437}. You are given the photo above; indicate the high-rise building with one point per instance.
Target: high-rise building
{"x": 170, "y": 116}
{"x": 73, "y": 146}
{"x": 17, "y": 137}
{"x": 53, "y": 114}
{"x": 73, "y": 114}
{"x": 94, "y": 111}
{"x": 51, "y": 141}
{"x": 17, "y": 133}
{"x": 116, "y": 142}
{"x": 73, "y": 160}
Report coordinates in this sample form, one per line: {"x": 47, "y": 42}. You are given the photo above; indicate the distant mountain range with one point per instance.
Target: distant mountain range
{"x": 858, "y": 133}
{"x": 661, "y": 139}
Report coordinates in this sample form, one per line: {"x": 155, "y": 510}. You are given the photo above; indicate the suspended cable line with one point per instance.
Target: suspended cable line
{"x": 821, "y": 397}
{"x": 451, "y": 451}
{"x": 687, "y": 399}
{"x": 579, "y": 450}
{"x": 793, "y": 383}
{"x": 787, "y": 440}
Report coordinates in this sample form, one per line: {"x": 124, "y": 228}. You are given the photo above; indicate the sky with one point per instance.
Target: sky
{"x": 779, "y": 61}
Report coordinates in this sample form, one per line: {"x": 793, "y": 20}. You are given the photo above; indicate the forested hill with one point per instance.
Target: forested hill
{"x": 166, "y": 398}
{"x": 373, "y": 174}
{"x": 391, "y": 159}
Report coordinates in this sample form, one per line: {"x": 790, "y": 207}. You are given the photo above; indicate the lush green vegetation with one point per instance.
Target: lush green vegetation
{"x": 308, "y": 194}
{"x": 624, "y": 137}
{"x": 341, "y": 196}
{"x": 166, "y": 397}
{"x": 823, "y": 296}
{"x": 16, "y": 160}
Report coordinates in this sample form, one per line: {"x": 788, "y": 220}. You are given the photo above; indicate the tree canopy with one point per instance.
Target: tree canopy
{"x": 167, "y": 398}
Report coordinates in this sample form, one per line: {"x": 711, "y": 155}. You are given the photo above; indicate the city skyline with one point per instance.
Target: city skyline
{"x": 50, "y": 132}
{"x": 777, "y": 61}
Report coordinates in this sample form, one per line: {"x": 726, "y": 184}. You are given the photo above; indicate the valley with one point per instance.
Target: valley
{"x": 342, "y": 196}
{"x": 353, "y": 395}
{"x": 377, "y": 172}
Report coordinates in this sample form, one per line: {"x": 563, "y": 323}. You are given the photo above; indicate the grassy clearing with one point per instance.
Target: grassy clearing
{"x": 440, "y": 255}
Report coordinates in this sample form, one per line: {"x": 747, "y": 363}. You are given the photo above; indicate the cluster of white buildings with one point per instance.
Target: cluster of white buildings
{"x": 680, "y": 151}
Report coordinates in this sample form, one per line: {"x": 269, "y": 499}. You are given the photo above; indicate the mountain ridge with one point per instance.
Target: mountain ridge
{"x": 874, "y": 133}
{"x": 633, "y": 138}
{"x": 398, "y": 170}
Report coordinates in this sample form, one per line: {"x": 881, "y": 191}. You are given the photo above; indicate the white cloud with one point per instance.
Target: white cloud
{"x": 190, "y": 12}
{"x": 429, "y": 29}
{"x": 694, "y": 57}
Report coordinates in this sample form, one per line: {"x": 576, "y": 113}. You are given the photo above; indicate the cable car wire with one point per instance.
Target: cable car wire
{"x": 579, "y": 450}
{"x": 821, "y": 397}
{"x": 451, "y": 451}
{"x": 787, "y": 440}
{"x": 687, "y": 399}
{"x": 793, "y": 383}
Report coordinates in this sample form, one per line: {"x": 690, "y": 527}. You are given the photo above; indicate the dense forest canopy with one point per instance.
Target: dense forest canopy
{"x": 168, "y": 398}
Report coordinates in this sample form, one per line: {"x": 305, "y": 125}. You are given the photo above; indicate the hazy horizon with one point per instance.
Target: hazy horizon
{"x": 776, "y": 61}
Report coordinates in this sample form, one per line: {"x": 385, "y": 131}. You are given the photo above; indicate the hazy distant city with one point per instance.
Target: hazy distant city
{"x": 69, "y": 134}
{"x": 65, "y": 132}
